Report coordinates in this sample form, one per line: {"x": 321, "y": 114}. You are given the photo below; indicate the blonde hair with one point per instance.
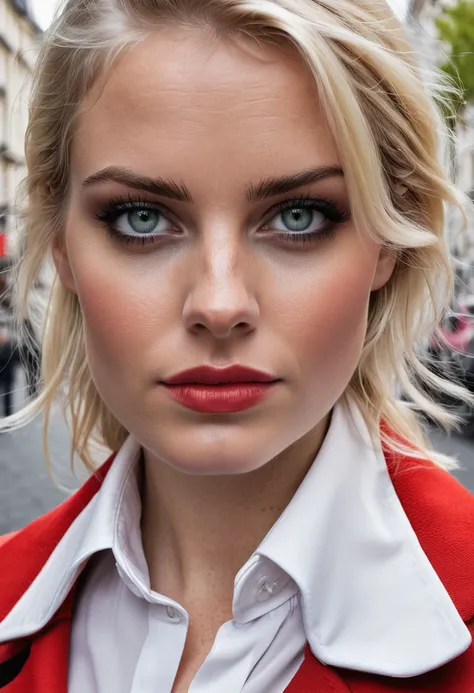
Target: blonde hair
{"x": 390, "y": 138}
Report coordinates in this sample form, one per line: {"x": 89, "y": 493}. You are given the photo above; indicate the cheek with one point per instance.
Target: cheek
{"x": 110, "y": 321}
{"x": 327, "y": 322}
{"x": 122, "y": 306}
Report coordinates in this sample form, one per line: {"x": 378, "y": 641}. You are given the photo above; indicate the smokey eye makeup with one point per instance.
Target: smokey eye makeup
{"x": 301, "y": 220}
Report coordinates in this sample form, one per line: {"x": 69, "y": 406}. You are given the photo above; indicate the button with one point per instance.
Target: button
{"x": 267, "y": 587}
{"x": 172, "y": 613}
{"x": 260, "y": 587}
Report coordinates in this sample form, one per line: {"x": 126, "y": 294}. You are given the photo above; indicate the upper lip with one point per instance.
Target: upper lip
{"x": 208, "y": 375}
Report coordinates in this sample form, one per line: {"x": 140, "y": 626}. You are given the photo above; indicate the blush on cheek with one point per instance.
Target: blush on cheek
{"x": 113, "y": 343}
{"x": 334, "y": 338}
{"x": 106, "y": 323}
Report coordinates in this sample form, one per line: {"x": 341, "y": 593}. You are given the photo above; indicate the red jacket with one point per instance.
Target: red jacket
{"x": 441, "y": 513}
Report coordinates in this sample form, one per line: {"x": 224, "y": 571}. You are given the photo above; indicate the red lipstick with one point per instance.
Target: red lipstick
{"x": 220, "y": 390}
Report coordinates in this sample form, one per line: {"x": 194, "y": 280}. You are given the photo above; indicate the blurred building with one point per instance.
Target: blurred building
{"x": 422, "y": 15}
{"x": 18, "y": 38}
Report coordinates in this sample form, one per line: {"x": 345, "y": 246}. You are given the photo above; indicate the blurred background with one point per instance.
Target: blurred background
{"x": 442, "y": 35}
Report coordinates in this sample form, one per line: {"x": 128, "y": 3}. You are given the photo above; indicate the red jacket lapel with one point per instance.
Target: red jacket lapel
{"x": 39, "y": 665}
{"x": 440, "y": 510}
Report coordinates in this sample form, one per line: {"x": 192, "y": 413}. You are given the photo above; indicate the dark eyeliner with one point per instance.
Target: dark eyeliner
{"x": 118, "y": 206}
{"x": 334, "y": 216}
{"x": 321, "y": 204}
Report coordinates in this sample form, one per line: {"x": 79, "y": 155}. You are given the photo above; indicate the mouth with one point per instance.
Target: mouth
{"x": 208, "y": 375}
{"x": 220, "y": 390}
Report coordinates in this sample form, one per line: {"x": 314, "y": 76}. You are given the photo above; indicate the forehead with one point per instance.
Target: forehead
{"x": 182, "y": 96}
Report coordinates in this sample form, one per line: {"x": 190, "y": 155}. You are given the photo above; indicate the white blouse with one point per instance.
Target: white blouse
{"x": 341, "y": 569}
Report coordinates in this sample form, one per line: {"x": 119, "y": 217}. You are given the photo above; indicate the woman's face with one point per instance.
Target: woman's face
{"x": 208, "y": 223}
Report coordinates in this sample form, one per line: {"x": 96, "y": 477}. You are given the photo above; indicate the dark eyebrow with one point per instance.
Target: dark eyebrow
{"x": 277, "y": 186}
{"x": 268, "y": 187}
{"x": 156, "y": 186}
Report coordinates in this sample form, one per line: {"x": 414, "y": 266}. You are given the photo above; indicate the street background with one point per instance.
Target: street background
{"x": 27, "y": 488}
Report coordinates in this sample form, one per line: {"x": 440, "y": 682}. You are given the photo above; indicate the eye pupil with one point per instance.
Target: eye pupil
{"x": 143, "y": 220}
{"x": 298, "y": 218}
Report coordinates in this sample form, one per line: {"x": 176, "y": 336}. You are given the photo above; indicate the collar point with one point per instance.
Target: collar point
{"x": 388, "y": 663}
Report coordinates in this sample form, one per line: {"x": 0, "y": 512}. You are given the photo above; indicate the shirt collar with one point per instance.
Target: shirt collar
{"x": 92, "y": 531}
{"x": 371, "y": 601}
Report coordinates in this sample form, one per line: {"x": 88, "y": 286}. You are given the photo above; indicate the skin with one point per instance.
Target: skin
{"x": 217, "y": 116}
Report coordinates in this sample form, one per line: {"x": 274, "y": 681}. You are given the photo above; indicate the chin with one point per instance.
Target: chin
{"x": 197, "y": 468}
{"x": 212, "y": 457}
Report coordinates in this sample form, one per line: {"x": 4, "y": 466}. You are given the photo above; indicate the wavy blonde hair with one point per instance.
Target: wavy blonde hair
{"x": 390, "y": 138}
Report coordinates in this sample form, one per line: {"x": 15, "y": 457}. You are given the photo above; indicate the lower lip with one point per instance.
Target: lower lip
{"x": 220, "y": 399}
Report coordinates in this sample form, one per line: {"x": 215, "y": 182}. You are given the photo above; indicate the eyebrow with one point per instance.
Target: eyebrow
{"x": 266, "y": 188}
{"x": 283, "y": 184}
{"x": 156, "y": 186}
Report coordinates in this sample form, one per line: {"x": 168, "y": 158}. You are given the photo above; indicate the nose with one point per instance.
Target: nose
{"x": 220, "y": 300}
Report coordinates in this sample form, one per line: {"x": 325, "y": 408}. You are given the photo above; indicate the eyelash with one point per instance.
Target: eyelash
{"x": 120, "y": 205}
{"x": 333, "y": 214}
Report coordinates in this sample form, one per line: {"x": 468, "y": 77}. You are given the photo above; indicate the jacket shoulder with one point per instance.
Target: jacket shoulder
{"x": 5, "y": 537}
{"x": 441, "y": 512}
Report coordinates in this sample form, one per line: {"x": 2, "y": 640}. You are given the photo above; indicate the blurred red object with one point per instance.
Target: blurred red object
{"x": 456, "y": 333}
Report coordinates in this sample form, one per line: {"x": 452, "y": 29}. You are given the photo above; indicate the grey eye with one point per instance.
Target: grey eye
{"x": 297, "y": 219}
{"x": 143, "y": 221}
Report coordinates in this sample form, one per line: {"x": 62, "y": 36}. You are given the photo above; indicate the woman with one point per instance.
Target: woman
{"x": 244, "y": 204}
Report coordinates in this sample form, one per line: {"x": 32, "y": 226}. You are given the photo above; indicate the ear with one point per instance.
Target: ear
{"x": 62, "y": 264}
{"x": 385, "y": 266}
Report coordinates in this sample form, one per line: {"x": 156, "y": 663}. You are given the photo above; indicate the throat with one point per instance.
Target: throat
{"x": 199, "y": 530}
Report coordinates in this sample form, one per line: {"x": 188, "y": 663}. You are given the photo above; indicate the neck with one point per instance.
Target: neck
{"x": 198, "y": 531}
